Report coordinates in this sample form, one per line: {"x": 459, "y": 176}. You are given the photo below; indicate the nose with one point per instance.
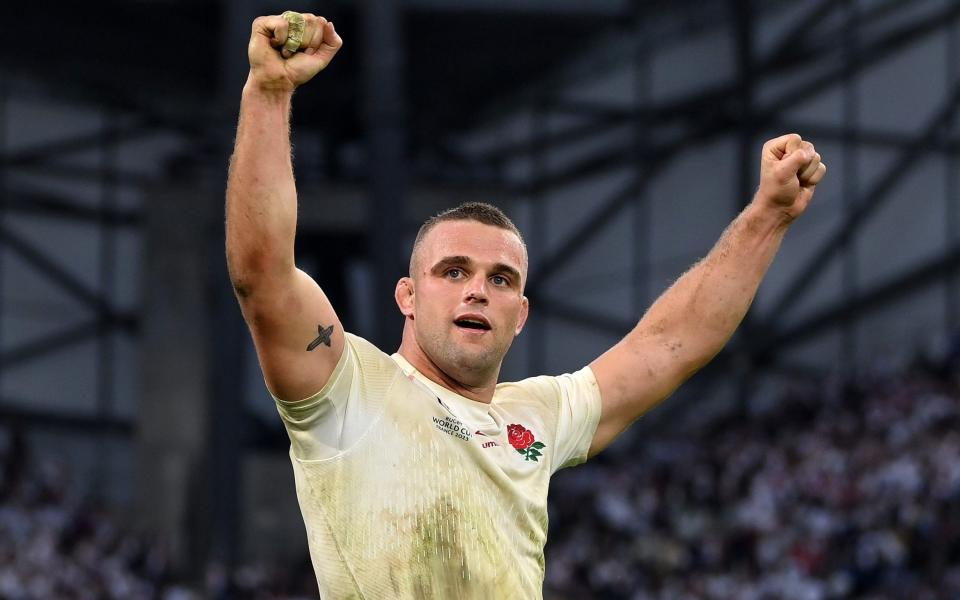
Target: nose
{"x": 476, "y": 290}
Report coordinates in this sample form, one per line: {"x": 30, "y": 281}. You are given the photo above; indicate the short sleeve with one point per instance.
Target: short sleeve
{"x": 333, "y": 419}
{"x": 579, "y": 414}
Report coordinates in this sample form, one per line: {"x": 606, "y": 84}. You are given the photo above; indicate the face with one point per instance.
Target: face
{"x": 466, "y": 298}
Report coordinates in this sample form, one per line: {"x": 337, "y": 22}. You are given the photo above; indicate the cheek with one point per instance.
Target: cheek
{"x": 514, "y": 308}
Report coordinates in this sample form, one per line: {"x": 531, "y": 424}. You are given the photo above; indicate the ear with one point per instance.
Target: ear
{"x": 403, "y": 294}
{"x": 524, "y": 313}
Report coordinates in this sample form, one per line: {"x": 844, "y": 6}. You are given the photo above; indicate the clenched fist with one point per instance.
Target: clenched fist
{"x": 790, "y": 170}
{"x": 276, "y": 68}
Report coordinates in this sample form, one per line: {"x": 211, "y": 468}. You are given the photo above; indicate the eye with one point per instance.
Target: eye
{"x": 454, "y": 273}
{"x": 500, "y": 280}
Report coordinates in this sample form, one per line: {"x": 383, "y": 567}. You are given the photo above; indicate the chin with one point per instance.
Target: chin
{"x": 476, "y": 360}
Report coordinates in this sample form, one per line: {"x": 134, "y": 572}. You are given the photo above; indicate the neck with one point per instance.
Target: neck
{"x": 411, "y": 351}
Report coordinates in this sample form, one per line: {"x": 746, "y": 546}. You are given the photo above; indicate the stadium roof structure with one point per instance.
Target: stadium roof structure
{"x": 600, "y": 125}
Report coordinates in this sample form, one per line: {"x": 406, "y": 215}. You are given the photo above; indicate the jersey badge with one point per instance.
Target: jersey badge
{"x": 523, "y": 442}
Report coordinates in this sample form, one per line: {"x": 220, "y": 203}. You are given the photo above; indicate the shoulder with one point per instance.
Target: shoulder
{"x": 367, "y": 355}
{"x": 548, "y": 388}
{"x": 362, "y": 367}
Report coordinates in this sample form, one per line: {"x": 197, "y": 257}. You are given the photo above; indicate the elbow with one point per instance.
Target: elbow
{"x": 241, "y": 288}
{"x": 688, "y": 352}
{"x": 249, "y": 269}
{"x": 684, "y": 355}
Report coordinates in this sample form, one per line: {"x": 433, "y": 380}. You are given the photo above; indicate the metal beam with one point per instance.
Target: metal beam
{"x": 851, "y": 181}
{"x": 743, "y": 38}
{"x": 659, "y": 156}
{"x": 551, "y": 8}
{"x": 4, "y": 197}
{"x": 808, "y": 29}
{"x": 600, "y": 321}
{"x": 664, "y": 27}
{"x": 797, "y": 34}
{"x": 593, "y": 225}
{"x": 715, "y": 115}
{"x": 88, "y": 174}
{"x": 60, "y": 422}
{"x": 595, "y": 125}
{"x": 50, "y": 205}
{"x": 617, "y": 327}
{"x": 951, "y": 183}
{"x": 385, "y": 110}
{"x": 868, "y": 202}
{"x": 60, "y": 340}
{"x": 44, "y": 152}
{"x": 709, "y": 107}
{"x": 766, "y": 353}
{"x": 875, "y": 138}
{"x": 877, "y": 296}
{"x": 641, "y": 233}
{"x": 60, "y": 276}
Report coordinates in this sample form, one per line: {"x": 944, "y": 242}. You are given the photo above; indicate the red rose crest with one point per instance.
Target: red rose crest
{"x": 522, "y": 439}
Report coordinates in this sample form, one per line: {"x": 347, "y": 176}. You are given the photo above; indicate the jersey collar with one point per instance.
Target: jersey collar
{"x": 485, "y": 417}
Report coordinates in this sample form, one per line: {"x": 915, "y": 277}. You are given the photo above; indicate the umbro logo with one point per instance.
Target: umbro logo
{"x": 487, "y": 444}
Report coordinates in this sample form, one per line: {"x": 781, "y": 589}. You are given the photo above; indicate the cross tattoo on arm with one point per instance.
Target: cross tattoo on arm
{"x": 323, "y": 338}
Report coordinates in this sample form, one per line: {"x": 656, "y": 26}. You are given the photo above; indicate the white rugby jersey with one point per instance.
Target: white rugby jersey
{"x": 409, "y": 490}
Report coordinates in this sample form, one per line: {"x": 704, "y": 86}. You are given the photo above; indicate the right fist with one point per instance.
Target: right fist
{"x": 272, "y": 67}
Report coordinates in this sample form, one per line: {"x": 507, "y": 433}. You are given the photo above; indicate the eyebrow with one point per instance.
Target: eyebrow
{"x": 464, "y": 261}
{"x": 450, "y": 261}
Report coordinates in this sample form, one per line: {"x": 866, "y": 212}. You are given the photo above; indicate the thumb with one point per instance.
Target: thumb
{"x": 791, "y": 164}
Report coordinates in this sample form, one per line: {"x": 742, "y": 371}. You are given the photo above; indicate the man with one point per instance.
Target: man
{"x": 418, "y": 475}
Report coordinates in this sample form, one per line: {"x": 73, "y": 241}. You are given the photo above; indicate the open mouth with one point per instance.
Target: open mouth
{"x": 468, "y": 323}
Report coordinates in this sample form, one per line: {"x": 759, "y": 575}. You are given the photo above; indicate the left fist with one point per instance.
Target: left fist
{"x": 790, "y": 170}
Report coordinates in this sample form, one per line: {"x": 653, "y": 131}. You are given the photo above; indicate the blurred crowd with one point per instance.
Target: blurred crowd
{"x": 841, "y": 490}
{"x": 55, "y": 544}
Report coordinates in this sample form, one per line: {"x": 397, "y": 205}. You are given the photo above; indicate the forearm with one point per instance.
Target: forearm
{"x": 689, "y": 324}
{"x": 261, "y": 206}
{"x": 696, "y": 316}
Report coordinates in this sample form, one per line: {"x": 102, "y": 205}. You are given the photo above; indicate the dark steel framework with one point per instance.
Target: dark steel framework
{"x": 831, "y": 56}
{"x": 825, "y": 52}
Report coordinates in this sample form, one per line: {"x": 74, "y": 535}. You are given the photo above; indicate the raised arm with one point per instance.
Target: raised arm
{"x": 689, "y": 324}
{"x": 288, "y": 314}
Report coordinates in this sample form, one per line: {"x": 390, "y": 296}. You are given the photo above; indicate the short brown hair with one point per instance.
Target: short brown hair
{"x": 481, "y": 212}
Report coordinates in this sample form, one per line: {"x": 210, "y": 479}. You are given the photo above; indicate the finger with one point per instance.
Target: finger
{"x": 273, "y": 27}
{"x": 777, "y": 147}
{"x": 313, "y": 31}
{"x": 296, "y": 32}
{"x": 818, "y": 175}
{"x": 331, "y": 44}
{"x": 312, "y": 43}
{"x": 790, "y": 166}
{"x": 796, "y": 142}
{"x": 810, "y": 168}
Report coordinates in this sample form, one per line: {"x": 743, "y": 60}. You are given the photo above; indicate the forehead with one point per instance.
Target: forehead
{"x": 478, "y": 241}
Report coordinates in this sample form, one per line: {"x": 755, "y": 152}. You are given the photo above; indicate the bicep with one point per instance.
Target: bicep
{"x": 297, "y": 334}
{"x": 634, "y": 376}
